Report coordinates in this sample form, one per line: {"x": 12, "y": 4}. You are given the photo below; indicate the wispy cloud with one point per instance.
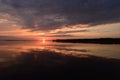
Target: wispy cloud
{"x": 59, "y": 35}
{"x": 74, "y": 31}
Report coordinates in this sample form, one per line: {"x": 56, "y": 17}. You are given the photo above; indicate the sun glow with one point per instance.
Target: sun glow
{"x": 43, "y": 40}
{"x": 42, "y": 34}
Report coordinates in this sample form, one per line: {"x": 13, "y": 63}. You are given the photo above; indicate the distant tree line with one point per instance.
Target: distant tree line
{"x": 98, "y": 40}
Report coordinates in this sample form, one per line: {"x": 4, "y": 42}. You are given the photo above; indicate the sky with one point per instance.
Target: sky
{"x": 60, "y": 19}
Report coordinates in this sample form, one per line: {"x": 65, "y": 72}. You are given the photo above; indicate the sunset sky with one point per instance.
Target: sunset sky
{"x": 53, "y": 19}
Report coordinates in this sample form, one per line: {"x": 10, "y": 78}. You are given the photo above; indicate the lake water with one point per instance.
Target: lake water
{"x": 12, "y": 49}
{"x": 51, "y": 60}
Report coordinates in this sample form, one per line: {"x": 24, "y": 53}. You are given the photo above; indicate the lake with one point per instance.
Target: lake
{"x": 12, "y": 49}
{"x": 27, "y": 53}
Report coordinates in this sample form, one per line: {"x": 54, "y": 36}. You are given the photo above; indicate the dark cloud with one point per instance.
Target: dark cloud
{"x": 52, "y": 14}
{"x": 59, "y": 35}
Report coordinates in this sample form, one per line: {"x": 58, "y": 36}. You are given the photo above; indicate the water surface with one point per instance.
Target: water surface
{"x": 48, "y": 60}
{"x": 12, "y": 49}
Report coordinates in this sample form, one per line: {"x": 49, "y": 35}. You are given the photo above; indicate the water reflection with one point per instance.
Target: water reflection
{"x": 45, "y": 59}
{"x": 48, "y": 65}
{"x": 11, "y": 49}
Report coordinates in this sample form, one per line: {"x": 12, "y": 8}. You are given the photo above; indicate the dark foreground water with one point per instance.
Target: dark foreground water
{"x": 45, "y": 60}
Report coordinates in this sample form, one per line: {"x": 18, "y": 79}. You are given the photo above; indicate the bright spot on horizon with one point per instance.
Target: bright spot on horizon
{"x": 43, "y": 40}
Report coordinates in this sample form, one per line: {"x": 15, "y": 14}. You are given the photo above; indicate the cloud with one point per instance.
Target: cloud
{"x": 73, "y": 31}
{"x": 53, "y": 14}
{"x": 59, "y": 35}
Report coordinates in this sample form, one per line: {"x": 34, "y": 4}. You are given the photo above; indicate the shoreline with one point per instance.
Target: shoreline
{"x": 96, "y": 40}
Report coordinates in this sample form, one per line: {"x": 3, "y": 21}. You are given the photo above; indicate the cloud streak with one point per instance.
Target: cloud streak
{"x": 73, "y": 31}
{"x": 53, "y": 14}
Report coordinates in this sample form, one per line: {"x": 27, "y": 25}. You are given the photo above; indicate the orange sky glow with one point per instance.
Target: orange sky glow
{"x": 9, "y": 27}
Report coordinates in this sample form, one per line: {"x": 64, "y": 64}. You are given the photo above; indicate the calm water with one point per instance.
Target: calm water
{"x": 9, "y": 50}
{"x": 51, "y": 60}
